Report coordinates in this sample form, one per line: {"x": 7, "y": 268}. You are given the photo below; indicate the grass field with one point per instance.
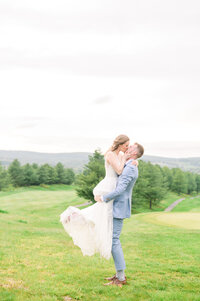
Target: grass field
{"x": 40, "y": 262}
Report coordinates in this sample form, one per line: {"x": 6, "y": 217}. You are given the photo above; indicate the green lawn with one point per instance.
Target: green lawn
{"x": 40, "y": 262}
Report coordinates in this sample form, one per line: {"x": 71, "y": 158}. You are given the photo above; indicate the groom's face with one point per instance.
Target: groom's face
{"x": 132, "y": 150}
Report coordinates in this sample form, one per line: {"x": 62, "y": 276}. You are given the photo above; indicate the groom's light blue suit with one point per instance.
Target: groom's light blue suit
{"x": 121, "y": 208}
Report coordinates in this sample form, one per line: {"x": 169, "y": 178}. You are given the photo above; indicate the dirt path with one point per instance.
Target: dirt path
{"x": 173, "y": 205}
{"x": 177, "y": 202}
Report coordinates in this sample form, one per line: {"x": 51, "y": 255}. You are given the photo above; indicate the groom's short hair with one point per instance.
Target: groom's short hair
{"x": 140, "y": 149}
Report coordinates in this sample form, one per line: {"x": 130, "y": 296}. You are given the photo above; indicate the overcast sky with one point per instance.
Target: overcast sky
{"x": 75, "y": 74}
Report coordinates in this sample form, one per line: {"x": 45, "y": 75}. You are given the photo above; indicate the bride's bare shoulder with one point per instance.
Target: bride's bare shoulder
{"x": 109, "y": 155}
{"x": 121, "y": 154}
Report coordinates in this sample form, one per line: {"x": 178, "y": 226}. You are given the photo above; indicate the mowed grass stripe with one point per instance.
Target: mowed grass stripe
{"x": 186, "y": 220}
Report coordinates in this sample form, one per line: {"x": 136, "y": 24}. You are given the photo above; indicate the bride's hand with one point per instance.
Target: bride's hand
{"x": 135, "y": 162}
{"x": 97, "y": 198}
{"x": 126, "y": 156}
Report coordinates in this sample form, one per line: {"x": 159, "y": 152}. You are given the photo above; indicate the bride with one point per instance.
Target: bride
{"x": 91, "y": 228}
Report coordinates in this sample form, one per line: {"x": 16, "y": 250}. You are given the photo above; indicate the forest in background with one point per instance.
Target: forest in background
{"x": 32, "y": 174}
{"x": 153, "y": 183}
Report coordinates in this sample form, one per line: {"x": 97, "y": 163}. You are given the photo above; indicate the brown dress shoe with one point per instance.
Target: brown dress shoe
{"x": 111, "y": 278}
{"x": 116, "y": 282}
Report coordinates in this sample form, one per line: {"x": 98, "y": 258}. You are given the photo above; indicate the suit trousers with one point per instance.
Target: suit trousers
{"x": 117, "y": 252}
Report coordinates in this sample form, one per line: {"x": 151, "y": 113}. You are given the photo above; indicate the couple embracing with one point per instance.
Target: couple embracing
{"x": 97, "y": 228}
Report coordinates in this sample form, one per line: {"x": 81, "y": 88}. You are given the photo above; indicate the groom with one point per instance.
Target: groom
{"x": 122, "y": 209}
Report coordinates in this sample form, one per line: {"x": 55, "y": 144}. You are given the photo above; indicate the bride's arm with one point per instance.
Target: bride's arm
{"x": 117, "y": 165}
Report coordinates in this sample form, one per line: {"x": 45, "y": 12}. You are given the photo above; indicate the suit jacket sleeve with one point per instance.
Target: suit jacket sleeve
{"x": 126, "y": 177}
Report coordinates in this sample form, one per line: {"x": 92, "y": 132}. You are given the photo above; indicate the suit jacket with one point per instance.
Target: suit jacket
{"x": 123, "y": 192}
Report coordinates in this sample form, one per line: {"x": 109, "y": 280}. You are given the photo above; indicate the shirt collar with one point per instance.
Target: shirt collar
{"x": 130, "y": 160}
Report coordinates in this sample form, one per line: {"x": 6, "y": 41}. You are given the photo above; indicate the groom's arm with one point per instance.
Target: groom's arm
{"x": 129, "y": 173}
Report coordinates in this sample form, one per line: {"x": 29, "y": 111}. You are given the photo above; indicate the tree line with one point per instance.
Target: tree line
{"x": 152, "y": 185}
{"x": 31, "y": 174}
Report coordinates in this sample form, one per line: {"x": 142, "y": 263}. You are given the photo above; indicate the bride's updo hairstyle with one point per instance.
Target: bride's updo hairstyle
{"x": 119, "y": 140}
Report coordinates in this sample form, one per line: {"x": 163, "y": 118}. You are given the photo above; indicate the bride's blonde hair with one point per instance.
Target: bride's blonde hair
{"x": 119, "y": 140}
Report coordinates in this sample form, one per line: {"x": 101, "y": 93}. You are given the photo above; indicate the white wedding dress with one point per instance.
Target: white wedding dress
{"x": 91, "y": 228}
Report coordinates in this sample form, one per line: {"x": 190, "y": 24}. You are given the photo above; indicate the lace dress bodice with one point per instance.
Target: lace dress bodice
{"x": 108, "y": 183}
{"x": 110, "y": 172}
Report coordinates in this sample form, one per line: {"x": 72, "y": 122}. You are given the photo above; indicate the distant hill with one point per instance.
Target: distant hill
{"x": 70, "y": 160}
{"x": 77, "y": 160}
{"x": 186, "y": 164}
